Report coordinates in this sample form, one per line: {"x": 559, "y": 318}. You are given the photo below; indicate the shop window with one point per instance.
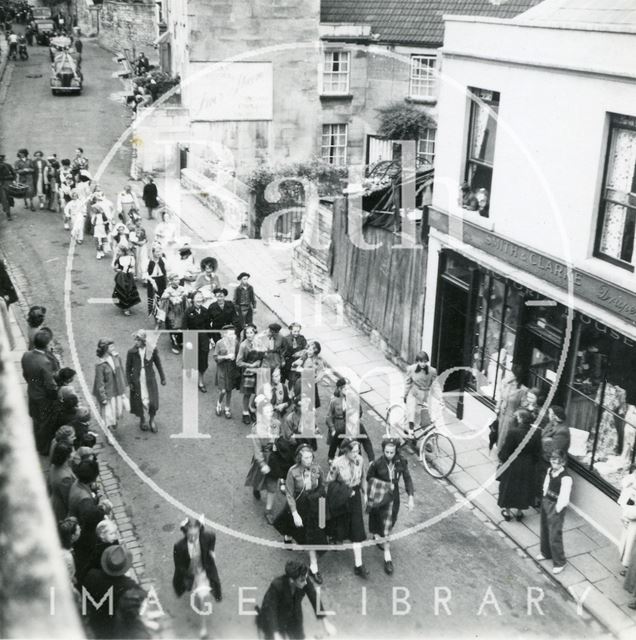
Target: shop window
{"x": 458, "y": 268}
{"x": 496, "y": 322}
{"x": 602, "y": 402}
{"x": 617, "y": 219}
{"x": 475, "y": 194}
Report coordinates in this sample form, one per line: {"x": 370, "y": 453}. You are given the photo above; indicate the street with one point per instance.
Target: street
{"x": 486, "y": 584}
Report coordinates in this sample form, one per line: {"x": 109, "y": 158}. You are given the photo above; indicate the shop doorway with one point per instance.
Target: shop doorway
{"x": 451, "y": 332}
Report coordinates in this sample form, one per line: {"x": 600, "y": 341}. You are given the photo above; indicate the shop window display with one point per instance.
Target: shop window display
{"x": 602, "y": 401}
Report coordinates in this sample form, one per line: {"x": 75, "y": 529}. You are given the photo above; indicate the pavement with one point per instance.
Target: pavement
{"x": 592, "y": 572}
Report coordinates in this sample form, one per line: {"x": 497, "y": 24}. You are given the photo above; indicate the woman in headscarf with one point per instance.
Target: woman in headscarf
{"x": 346, "y": 499}
{"x": 172, "y": 310}
{"x": 125, "y": 293}
{"x": 300, "y": 519}
{"x": 109, "y": 387}
{"x": 383, "y": 479}
{"x": 207, "y": 281}
{"x": 263, "y": 439}
{"x": 25, "y": 170}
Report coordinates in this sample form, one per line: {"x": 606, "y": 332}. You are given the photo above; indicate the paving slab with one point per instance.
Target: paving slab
{"x": 601, "y": 607}
{"x": 463, "y": 481}
{"x": 591, "y": 568}
{"x": 569, "y": 576}
{"x": 519, "y": 533}
{"x": 482, "y": 472}
{"x": 467, "y": 459}
{"x": 612, "y": 587}
{"x": 576, "y": 542}
{"x": 488, "y": 504}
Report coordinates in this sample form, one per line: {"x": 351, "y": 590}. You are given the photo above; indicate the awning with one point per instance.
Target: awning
{"x": 164, "y": 37}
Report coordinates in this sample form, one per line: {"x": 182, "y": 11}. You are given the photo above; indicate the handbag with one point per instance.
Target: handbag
{"x": 17, "y": 189}
{"x": 380, "y": 493}
{"x": 249, "y": 380}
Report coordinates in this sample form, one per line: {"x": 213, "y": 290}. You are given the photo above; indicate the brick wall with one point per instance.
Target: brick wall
{"x": 128, "y": 25}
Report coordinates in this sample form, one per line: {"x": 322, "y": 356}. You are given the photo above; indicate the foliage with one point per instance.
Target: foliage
{"x": 402, "y": 121}
{"x": 157, "y": 82}
{"x": 326, "y": 177}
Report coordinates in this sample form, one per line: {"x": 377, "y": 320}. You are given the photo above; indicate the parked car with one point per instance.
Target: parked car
{"x": 44, "y": 30}
{"x": 65, "y": 74}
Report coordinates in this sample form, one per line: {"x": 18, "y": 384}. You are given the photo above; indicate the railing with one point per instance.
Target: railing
{"x": 36, "y": 599}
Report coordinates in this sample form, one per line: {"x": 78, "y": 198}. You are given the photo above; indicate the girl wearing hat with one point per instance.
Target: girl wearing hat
{"x": 225, "y": 352}
{"x": 185, "y": 267}
{"x": 110, "y": 386}
{"x": 244, "y": 298}
{"x": 118, "y": 236}
{"x": 248, "y": 360}
{"x": 346, "y": 497}
{"x": 383, "y": 479}
{"x": 156, "y": 278}
{"x": 125, "y": 293}
{"x": 299, "y": 520}
{"x": 195, "y": 567}
{"x": 172, "y": 306}
{"x": 264, "y": 435}
{"x": 207, "y": 281}
{"x": 557, "y": 488}
{"x": 222, "y": 313}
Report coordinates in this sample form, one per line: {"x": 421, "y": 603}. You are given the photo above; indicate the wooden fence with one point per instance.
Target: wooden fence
{"x": 386, "y": 285}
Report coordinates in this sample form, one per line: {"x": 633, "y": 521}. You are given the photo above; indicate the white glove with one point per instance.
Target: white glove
{"x": 265, "y": 469}
{"x": 298, "y": 521}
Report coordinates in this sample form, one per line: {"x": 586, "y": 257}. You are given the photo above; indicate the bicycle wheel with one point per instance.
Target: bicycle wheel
{"x": 437, "y": 454}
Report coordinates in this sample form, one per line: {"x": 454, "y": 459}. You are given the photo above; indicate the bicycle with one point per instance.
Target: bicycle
{"x": 435, "y": 450}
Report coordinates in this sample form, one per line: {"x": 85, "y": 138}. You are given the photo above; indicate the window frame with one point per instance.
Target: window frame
{"x": 427, "y": 80}
{"x": 327, "y": 87}
{"x": 327, "y": 158}
{"x": 614, "y": 125}
{"x": 430, "y": 141}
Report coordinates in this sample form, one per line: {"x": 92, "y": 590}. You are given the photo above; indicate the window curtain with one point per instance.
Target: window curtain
{"x": 480, "y": 126}
{"x": 622, "y": 163}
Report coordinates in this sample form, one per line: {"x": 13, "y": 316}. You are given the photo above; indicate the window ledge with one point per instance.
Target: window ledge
{"x": 608, "y": 271}
{"x": 473, "y": 217}
{"x": 416, "y": 100}
{"x": 336, "y": 96}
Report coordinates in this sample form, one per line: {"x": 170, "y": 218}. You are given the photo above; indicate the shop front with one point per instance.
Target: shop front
{"x": 489, "y": 315}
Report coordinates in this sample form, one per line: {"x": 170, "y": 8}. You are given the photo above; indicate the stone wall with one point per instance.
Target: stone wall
{"x": 129, "y": 25}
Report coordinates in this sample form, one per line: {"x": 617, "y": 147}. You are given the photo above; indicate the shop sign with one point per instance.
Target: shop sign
{"x": 617, "y": 300}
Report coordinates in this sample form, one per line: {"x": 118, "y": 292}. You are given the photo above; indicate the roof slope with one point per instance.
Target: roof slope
{"x": 598, "y": 12}
{"x": 415, "y": 21}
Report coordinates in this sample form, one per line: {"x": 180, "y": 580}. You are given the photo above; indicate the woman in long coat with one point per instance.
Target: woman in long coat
{"x": 263, "y": 438}
{"x": 195, "y": 567}
{"x": 513, "y": 392}
{"x": 25, "y": 170}
{"x": 222, "y": 313}
{"x": 197, "y": 318}
{"x": 109, "y": 387}
{"x": 383, "y": 480}
{"x": 125, "y": 293}
{"x": 299, "y": 520}
{"x": 248, "y": 360}
{"x": 517, "y": 484}
{"x": 346, "y": 499}
{"x": 140, "y": 374}
{"x": 225, "y": 352}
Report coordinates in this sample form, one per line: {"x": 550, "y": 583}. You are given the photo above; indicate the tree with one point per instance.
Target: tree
{"x": 400, "y": 121}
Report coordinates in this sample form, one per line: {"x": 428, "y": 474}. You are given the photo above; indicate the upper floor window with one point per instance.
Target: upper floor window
{"x": 426, "y": 149}
{"x": 334, "y": 143}
{"x": 484, "y": 107}
{"x": 335, "y": 76}
{"x": 422, "y": 83}
{"x": 615, "y": 234}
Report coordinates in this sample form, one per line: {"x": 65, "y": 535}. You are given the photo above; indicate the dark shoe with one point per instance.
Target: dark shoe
{"x": 143, "y": 426}
{"x": 632, "y": 604}
{"x": 520, "y": 516}
{"x": 380, "y": 545}
{"x": 388, "y": 567}
{"x": 203, "y": 388}
{"x": 316, "y": 577}
{"x": 623, "y": 572}
{"x": 506, "y": 515}
{"x": 153, "y": 426}
{"x": 269, "y": 517}
{"x": 246, "y": 418}
{"x": 361, "y": 571}
{"x": 256, "y": 493}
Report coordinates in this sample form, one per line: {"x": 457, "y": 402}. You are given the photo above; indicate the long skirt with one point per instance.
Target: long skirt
{"x": 154, "y": 295}
{"x": 258, "y": 480}
{"x": 628, "y": 542}
{"x": 125, "y": 292}
{"x": 630, "y": 578}
{"x": 203, "y": 352}
{"x": 28, "y": 180}
{"x": 308, "y": 507}
{"x": 349, "y": 525}
{"x": 141, "y": 260}
{"x": 382, "y": 519}
{"x": 114, "y": 409}
{"x": 517, "y": 485}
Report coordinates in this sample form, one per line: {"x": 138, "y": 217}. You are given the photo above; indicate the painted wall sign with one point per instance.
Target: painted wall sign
{"x": 617, "y": 300}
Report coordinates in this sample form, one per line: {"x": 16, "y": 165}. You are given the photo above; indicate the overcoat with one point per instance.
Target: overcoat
{"x": 133, "y": 374}
{"x": 109, "y": 383}
{"x": 182, "y": 579}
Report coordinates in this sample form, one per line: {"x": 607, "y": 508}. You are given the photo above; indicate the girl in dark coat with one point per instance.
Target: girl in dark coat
{"x": 248, "y": 360}
{"x": 195, "y": 567}
{"x": 25, "y": 170}
{"x": 197, "y": 318}
{"x": 156, "y": 279}
{"x": 222, "y": 312}
{"x": 383, "y": 489}
{"x": 109, "y": 387}
{"x": 517, "y": 482}
{"x": 225, "y": 352}
{"x": 150, "y": 196}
